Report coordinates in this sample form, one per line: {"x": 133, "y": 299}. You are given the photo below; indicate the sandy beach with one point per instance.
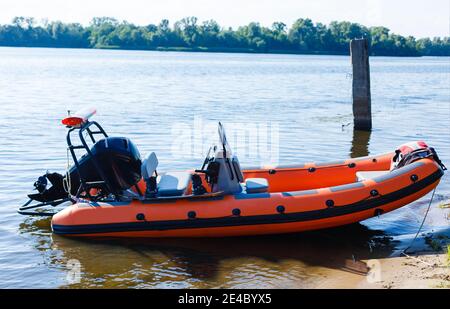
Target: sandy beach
{"x": 426, "y": 271}
{"x": 425, "y": 266}
{"x": 423, "y": 272}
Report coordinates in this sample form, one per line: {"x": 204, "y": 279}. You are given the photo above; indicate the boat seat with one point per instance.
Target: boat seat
{"x": 361, "y": 176}
{"x": 173, "y": 183}
{"x": 256, "y": 185}
{"x": 149, "y": 166}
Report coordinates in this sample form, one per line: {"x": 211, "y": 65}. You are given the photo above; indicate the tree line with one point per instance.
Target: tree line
{"x": 303, "y": 36}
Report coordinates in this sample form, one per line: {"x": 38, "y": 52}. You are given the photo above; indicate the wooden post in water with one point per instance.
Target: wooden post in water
{"x": 362, "y": 114}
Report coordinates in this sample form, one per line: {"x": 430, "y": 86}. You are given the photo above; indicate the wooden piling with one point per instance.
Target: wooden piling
{"x": 362, "y": 114}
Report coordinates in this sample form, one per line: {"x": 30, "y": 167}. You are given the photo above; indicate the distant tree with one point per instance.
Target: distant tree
{"x": 188, "y": 30}
{"x": 208, "y": 33}
{"x": 279, "y": 28}
{"x": 278, "y": 38}
{"x": 253, "y": 36}
{"x": 100, "y": 29}
{"x": 24, "y": 22}
{"x": 303, "y": 36}
{"x": 100, "y": 21}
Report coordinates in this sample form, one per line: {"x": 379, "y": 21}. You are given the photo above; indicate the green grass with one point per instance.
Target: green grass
{"x": 444, "y": 205}
{"x": 433, "y": 243}
{"x": 448, "y": 255}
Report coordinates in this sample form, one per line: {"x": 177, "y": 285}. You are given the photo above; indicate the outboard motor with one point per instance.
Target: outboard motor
{"x": 50, "y": 188}
{"x": 108, "y": 169}
{"x": 113, "y": 166}
{"x": 117, "y": 158}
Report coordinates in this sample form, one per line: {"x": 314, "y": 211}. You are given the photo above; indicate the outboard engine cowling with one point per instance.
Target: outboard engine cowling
{"x": 119, "y": 160}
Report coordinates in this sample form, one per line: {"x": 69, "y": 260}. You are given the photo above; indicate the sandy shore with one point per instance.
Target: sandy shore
{"x": 416, "y": 272}
{"x": 423, "y": 268}
{"x": 427, "y": 264}
{"x": 426, "y": 271}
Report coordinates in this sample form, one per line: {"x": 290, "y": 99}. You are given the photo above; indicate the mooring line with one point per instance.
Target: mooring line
{"x": 404, "y": 252}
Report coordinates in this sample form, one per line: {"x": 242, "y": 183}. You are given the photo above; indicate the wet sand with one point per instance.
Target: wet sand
{"x": 426, "y": 263}
{"x": 423, "y": 268}
{"x": 432, "y": 271}
{"x": 426, "y": 271}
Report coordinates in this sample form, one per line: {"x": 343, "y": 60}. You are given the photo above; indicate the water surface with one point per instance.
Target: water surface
{"x": 142, "y": 94}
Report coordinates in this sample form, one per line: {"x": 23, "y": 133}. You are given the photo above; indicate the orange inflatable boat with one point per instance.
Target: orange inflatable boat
{"x": 113, "y": 193}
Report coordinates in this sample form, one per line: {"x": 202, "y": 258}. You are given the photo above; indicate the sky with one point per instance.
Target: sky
{"x": 420, "y": 18}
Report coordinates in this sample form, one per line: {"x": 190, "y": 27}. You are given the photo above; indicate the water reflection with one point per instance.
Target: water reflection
{"x": 360, "y": 144}
{"x": 295, "y": 260}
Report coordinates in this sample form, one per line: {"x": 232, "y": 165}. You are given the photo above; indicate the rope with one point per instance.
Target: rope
{"x": 404, "y": 252}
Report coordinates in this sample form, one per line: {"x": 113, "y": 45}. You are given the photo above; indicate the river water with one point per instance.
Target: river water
{"x": 156, "y": 98}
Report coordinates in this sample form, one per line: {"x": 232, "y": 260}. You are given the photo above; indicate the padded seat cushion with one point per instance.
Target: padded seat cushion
{"x": 173, "y": 183}
{"x": 361, "y": 176}
{"x": 256, "y": 185}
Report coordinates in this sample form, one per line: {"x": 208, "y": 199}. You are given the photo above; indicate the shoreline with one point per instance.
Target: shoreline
{"x": 423, "y": 268}
{"x": 217, "y": 51}
{"x": 426, "y": 264}
{"x": 427, "y": 271}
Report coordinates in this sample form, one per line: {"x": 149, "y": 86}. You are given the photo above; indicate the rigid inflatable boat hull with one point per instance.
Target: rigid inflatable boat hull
{"x": 261, "y": 213}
